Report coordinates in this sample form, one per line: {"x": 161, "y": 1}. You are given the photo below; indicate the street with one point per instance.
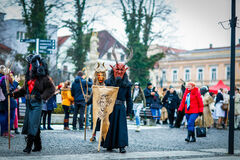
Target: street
{"x": 153, "y": 142}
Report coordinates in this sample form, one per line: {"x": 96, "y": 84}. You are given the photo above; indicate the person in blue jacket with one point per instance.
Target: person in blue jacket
{"x": 79, "y": 85}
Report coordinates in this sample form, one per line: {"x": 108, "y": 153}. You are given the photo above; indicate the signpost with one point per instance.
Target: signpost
{"x": 42, "y": 45}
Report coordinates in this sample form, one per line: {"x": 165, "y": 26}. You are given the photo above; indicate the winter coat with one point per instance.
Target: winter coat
{"x": 51, "y": 103}
{"x": 140, "y": 97}
{"x": 148, "y": 96}
{"x": 208, "y": 119}
{"x": 196, "y": 103}
{"x": 77, "y": 91}
{"x": 67, "y": 98}
{"x": 237, "y": 104}
{"x": 171, "y": 100}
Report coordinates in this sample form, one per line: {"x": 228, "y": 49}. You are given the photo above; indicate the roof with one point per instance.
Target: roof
{"x": 62, "y": 39}
{"x": 173, "y": 50}
{"x": 5, "y": 48}
{"x": 106, "y": 41}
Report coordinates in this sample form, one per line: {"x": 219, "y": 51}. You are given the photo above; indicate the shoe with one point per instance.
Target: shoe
{"x": 29, "y": 139}
{"x": 93, "y": 139}
{"x": 171, "y": 126}
{"x": 193, "y": 137}
{"x": 37, "y": 143}
{"x": 44, "y": 128}
{"x": 50, "y": 128}
{"x": 158, "y": 121}
{"x": 66, "y": 128}
{"x": 6, "y": 135}
{"x": 188, "y": 136}
{"x": 109, "y": 149}
{"x": 16, "y": 131}
{"x": 74, "y": 128}
{"x": 138, "y": 129}
{"x": 122, "y": 150}
{"x": 81, "y": 129}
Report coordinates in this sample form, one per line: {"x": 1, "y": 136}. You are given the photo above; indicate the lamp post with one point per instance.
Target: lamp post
{"x": 232, "y": 80}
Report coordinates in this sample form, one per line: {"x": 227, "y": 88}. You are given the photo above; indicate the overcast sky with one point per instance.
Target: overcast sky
{"x": 194, "y": 23}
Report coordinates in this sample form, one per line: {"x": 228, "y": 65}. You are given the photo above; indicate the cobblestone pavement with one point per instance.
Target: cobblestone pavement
{"x": 156, "y": 139}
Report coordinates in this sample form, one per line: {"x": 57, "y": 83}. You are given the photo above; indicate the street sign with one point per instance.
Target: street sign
{"x": 46, "y": 44}
{"x": 45, "y": 47}
{"x": 45, "y": 51}
{"x": 28, "y": 40}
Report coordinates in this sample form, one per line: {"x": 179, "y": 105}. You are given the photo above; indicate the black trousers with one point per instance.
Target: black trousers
{"x": 171, "y": 112}
{"x": 45, "y": 114}
{"x": 179, "y": 119}
{"x": 78, "y": 107}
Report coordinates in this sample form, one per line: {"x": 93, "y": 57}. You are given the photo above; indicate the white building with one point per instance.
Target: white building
{"x": 12, "y": 30}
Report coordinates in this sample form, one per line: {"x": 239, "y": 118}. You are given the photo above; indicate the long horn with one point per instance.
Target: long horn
{"x": 130, "y": 56}
{"x": 114, "y": 54}
{"x": 98, "y": 65}
{"x": 104, "y": 67}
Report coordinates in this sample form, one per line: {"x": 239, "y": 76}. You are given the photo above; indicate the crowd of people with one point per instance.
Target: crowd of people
{"x": 39, "y": 93}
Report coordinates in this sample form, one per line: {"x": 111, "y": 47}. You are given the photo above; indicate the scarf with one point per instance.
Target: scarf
{"x": 31, "y": 84}
{"x": 188, "y": 101}
{"x": 135, "y": 93}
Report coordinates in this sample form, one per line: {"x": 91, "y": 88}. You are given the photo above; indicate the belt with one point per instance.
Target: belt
{"x": 119, "y": 102}
{"x": 28, "y": 97}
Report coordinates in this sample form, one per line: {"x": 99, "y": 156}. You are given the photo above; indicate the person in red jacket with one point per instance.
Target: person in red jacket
{"x": 193, "y": 105}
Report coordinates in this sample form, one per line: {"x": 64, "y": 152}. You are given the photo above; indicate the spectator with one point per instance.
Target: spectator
{"x": 237, "y": 109}
{"x": 139, "y": 101}
{"x": 78, "y": 87}
{"x": 156, "y": 106}
{"x": 220, "y": 113}
{"x": 171, "y": 101}
{"x": 67, "y": 101}
{"x": 226, "y": 98}
{"x": 193, "y": 105}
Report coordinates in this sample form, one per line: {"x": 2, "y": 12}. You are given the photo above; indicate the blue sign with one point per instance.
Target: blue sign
{"x": 46, "y": 44}
{"x": 45, "y": 51}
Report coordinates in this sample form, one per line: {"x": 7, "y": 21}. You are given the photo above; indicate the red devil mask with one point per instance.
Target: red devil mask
{"x": 119, "y": 70}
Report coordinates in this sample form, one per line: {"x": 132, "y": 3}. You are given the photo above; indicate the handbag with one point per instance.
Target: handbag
{"x": 224, "y": 107}
{"x": 146, "y": 112}
{"x": 200, "y": 130}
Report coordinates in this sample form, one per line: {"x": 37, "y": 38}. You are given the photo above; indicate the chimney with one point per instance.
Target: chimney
{"x": 2, "y": 16}
{"x": 210, "y": 45}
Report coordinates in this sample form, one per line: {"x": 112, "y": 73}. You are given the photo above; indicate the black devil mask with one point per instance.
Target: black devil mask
{"x": 37, "y": 66}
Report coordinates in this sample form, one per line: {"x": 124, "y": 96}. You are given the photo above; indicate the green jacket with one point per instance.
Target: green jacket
{"x": 140, "y": 98}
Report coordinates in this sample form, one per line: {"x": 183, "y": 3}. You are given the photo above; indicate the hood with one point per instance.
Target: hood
{"x": 77, "y": 79}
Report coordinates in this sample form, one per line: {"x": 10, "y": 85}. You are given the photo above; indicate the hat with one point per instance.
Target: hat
{"x": 149, "y": 84}
{"x": 170, "y": 86}
{"x": 136, "y": 84}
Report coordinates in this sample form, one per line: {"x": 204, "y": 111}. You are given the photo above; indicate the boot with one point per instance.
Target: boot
{"x": 193, "y": 137}
{"x": 37, "y": 143}
{"x": 16, "y": 131}
{"x": 122, "y": 150}
{"x": 188, "y": 136}
{"x": 29, "y": 139}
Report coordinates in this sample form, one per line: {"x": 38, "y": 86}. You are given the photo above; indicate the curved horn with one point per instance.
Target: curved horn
{"x": 98, "y": 65}
{"x": 130, "y": 56}
{"x": 114, "y": 54}
{"x": 104, "y": 67}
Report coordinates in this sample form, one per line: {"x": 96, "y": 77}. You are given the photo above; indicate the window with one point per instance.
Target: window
{"x": 109, "y": 56}
{"x": 164, "y": 77}
{"x": 214, "y": 74}
{"x": 174, "y": 75}
{"x": 187, "y": 75}
{"x": 122, "y": 57}
{"x": 20, "y": 35}
{"x": 200, "y": 74}
{"x": 228, "y": 72}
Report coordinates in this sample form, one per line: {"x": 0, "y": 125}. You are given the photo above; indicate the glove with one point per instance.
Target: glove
{"x": 10, "y": 94}
{"x": 200, "y": 113}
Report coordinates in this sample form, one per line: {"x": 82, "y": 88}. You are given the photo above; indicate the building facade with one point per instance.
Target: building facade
{"x": 202, "y": 66}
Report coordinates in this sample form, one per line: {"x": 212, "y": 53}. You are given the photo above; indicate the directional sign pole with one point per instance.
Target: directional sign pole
{"x": 37, "y": 46}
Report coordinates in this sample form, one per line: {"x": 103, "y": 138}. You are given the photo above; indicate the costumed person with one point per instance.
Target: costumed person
{"x": 67, "y": 101}
{"x": 207, "y": 100}
{"x": 139, "y": 102}
{"x": 99, "y": 78}
{"x": 37, "y": 88}
{"x": 220, "y": 113}
{"x": 193, "y": 105}
{"x": 117, "y": 136}
{"x": 226, "y": 101}
{"x": 2, "y": 99}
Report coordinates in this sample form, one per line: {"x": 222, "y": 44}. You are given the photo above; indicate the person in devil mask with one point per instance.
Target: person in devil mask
{"x": 37, "y": 88}
{"x": 117, "y": 136}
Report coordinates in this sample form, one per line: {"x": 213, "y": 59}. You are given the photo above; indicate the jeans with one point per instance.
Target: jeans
{"x": 156, "y": 113}
{"x": 88, "y": 113}
{"x": 236, "y": 121}
{"x": 78, "y": 107}
{"x": 66, "y": 115}
{"x": 45, "y": 114}
{"x": 191, "y": 121}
